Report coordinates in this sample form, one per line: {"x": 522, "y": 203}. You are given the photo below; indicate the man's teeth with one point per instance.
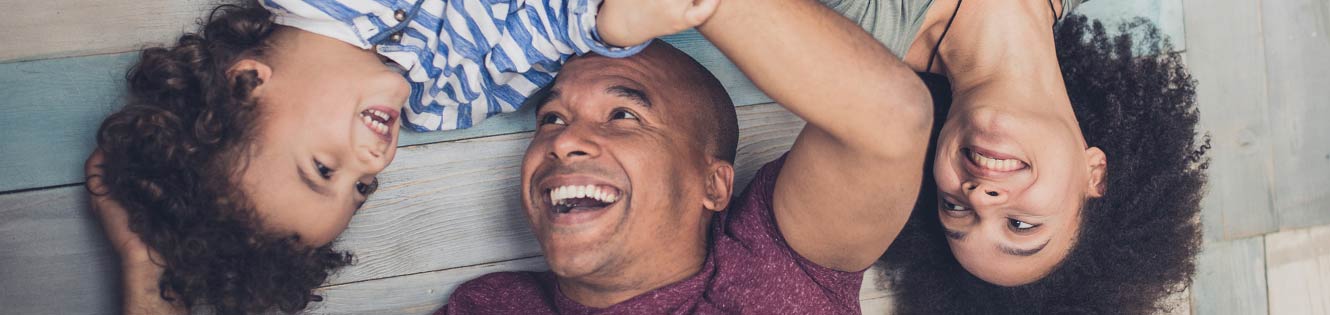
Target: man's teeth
{"x": 562, "y": 195}
{"x": 373, "y": 123}
{"x": 996, "y": 164}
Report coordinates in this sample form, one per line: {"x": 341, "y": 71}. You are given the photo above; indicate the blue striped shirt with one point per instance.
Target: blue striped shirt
{"x": 466, "y": 60}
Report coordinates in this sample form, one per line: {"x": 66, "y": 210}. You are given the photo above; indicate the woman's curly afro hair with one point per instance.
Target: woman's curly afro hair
{"x": 1138, "y": 242}
{"x": 173, "y": 156}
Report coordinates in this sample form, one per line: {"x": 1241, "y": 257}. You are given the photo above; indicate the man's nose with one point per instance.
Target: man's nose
{"x": 574, "y": 142}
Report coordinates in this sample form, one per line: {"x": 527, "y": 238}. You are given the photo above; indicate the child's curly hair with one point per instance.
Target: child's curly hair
{"x": 173, "y": 157}
{"x": 1137, "y": 244}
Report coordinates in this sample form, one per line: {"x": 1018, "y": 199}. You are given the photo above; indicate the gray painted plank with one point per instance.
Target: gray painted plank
{"x": 1297, "y": 48}
{"x": 51, "y": 110}
{"x": 62, "y": 28}
{"x": 1298, "y": 271}
{"x": 1230, "y": 278}
{"x": 1232, "y": 100}
{"x": 440, "y": 206}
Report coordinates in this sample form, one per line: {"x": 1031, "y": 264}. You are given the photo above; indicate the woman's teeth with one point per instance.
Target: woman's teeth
{"x": 996, "y": 164}
{"x": 565, "y": 195}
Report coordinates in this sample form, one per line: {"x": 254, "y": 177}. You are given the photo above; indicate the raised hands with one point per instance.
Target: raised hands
{"x": 626, "y": 23}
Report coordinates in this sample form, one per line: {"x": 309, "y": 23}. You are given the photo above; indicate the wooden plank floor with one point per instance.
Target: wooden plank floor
{"x": 442, "y": 217}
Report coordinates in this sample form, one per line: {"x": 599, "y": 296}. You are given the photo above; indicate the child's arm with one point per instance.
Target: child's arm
{"x": 633, "y": 22}
{"x": 141, "y": 293}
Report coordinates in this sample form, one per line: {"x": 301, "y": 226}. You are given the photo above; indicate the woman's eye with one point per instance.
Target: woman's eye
{"x": 552, "y": 119}
{"x": 951, "y": 206}
{"x": 324, "y": 170}
{"x": 622, "y": 114}
{"x": 366, "y": 189}
{"x": 1020, "y": 225}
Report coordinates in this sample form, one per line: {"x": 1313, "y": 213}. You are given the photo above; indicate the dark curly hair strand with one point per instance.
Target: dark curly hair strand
{"x": 173, "y": 156}
{"x": 1138, "y": 242}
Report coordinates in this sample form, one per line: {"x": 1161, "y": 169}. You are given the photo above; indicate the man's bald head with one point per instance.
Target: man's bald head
{"x": 708, "y": 108}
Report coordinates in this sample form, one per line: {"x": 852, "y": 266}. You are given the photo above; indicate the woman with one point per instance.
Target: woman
{"x": 1060, "y": 187}
{"x": 246, "y": 147}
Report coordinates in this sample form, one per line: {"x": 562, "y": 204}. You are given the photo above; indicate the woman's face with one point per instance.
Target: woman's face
{"x": 328, "y": 125}
{"x": 1012, "y": 172}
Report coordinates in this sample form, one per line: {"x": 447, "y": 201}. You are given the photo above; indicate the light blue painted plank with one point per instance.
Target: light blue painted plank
{"x": 1165, "y": 14}
{"x": 1297, "y": 57}
{"x": 51, "y": 110}
{"x": 1230, "y": 278}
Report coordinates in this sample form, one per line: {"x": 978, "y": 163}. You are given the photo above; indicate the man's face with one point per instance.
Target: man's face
{"x": 612, "y": 182}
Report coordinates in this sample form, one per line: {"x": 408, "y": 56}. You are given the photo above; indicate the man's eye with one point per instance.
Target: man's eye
{"x": 1019, "y": 225}
{"x": 324, "y": 170}
{"x": 622, "y": 114}
{"x": 552, "y": 119}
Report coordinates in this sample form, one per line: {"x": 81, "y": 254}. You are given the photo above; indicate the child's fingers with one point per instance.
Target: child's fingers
{"x": 113, "y": 217}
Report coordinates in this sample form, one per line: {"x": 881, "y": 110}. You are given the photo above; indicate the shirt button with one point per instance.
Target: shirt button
{"x": 400, "y": 15}
{"x": 396, "y": 37}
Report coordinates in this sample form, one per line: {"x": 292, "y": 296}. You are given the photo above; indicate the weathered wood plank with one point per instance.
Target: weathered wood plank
{"x": 1232, "y": 100}
{"x": 1298, "y": 271}
{"x": 1297, "y": 48}
{"x": 1165, "y": 14}
{"x": 440, "y": 206}
{"x": 63, "y": 28}
{"x": 53, "y": 257}
{"x": 52, "y": 109}
{"x": 1230, "y": 277}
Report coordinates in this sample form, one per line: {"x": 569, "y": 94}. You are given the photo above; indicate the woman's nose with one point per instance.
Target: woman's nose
{"x": 984, "y": 194}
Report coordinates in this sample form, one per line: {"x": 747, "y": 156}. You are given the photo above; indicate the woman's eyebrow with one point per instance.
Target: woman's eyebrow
{"x": 1022, "y": 252}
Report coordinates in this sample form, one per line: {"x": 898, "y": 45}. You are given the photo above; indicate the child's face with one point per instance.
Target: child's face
{"x": 328, "y": 125}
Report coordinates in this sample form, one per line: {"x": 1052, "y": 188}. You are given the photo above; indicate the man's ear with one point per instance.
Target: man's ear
{"x": 719, "y": 185}
{"x": 1098, "y": 172}
{"x": 250, "y": 69}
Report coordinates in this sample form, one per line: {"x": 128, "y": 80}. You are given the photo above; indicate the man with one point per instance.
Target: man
{"x": 627, "y": 180}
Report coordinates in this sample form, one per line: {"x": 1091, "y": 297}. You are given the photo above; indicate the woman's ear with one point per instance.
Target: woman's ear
{"x": 719, "y": 183}
{"x": 1098, "y": 162}
{"x": 250, "y": 71}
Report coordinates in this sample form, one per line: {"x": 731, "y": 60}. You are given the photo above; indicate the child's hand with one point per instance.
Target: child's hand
{"x": 140, "y": 273}
{"x": 626, "y": 23}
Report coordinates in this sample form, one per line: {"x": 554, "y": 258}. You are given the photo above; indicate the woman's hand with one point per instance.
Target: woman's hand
{"x": 140, "y": 273}
{"x": 626, "y": 23}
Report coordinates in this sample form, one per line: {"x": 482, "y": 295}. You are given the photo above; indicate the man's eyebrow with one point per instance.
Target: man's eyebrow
{"x": 953, "y": 234}
{"x": 1022, "y": 252}
{"x": 630, "y": 93}
{"x": 309, "y": 182}
{"x": 544, "y": 96}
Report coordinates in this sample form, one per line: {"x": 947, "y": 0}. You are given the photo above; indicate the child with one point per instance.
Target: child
{"x": 245, "y": 148}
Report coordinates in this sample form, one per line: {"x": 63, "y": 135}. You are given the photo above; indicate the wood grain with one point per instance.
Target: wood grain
{"x": 1297, "y": 58}
{"x": 1232, "y": 99}
{"x": 62, "y": 28}
{"x": 52, "y": 108}
{"x": 1230, "y": 278}
{"x": 1298, "y": 271}
{"x": 441, "y": 206}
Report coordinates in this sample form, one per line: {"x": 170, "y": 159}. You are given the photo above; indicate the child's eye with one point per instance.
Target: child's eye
{"x": 324, "y": 170}
{"x": 622, "y": 114}
{"x": 366, "y": 189}
{"x": 552, "y": 119}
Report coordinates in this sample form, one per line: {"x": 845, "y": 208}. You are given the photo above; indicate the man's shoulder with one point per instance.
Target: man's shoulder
{"x": 509, "y": 292}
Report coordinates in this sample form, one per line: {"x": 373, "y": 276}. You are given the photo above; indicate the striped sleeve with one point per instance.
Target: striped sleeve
{"x": 466, "y": 60}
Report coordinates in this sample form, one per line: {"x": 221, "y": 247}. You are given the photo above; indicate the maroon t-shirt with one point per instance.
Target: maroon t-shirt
{"x": 750, "y": 269}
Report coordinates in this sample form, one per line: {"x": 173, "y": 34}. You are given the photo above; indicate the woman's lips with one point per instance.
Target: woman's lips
{"x": 991, "y": 164}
